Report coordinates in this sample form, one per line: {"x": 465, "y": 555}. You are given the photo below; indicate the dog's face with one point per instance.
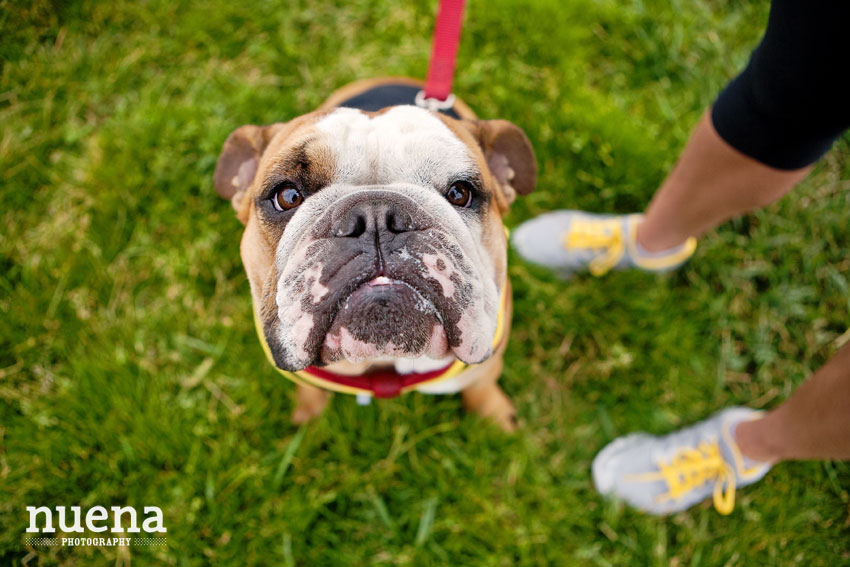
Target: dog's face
{"x": 375, "y": 234}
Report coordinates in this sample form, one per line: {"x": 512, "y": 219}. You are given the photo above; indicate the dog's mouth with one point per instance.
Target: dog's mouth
{"x": 408, "y": 297}
{"x": 385, "y": 317}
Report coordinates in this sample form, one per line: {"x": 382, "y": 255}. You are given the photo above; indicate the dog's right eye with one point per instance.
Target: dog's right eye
{"x": 286, "y": 196}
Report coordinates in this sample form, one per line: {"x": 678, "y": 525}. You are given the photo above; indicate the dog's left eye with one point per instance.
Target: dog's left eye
{"x": 459, "y": 194}
{"x": 286, "y": 196}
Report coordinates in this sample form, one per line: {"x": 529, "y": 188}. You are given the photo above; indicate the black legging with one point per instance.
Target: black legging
{"x": 793, "y": 100}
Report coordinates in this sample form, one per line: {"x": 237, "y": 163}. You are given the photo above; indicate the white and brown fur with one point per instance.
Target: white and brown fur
{"x": 310, "y": 271}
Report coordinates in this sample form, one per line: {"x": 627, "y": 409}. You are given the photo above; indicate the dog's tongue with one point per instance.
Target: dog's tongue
{"x": 385, "y": 318}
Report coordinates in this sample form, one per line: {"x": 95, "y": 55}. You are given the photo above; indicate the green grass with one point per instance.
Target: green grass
{"x": 130, "y": 372}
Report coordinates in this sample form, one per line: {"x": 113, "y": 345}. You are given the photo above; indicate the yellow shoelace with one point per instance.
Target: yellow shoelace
{"x": 691, "y": 468}
{"x": 601, "y": 234}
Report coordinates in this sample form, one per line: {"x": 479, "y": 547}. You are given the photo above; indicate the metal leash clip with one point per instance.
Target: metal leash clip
{"x": 434, "y": 104}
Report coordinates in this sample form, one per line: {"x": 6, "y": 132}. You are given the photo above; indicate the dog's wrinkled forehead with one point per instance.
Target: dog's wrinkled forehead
{"x": 403, "y": 144}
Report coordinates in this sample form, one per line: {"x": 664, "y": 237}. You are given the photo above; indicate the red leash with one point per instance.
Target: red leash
{"x": 441, "y": 69}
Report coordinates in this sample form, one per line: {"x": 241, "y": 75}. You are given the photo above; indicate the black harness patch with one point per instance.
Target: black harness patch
{"x": 388, "y": 95}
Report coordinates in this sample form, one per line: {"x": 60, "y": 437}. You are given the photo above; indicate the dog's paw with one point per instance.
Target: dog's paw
{"x": 504, "y": 416}
{"x": 311, "y": 402}
{"x": 491, "y": 402}
{"x": 303, "y": 415}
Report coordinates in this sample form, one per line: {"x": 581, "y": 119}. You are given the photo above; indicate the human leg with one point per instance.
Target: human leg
{"x": 733, "y": 448}
{"x": 814, "y": 423}
{"x": 760, "y": 139}
{"x": 711, "y": 183}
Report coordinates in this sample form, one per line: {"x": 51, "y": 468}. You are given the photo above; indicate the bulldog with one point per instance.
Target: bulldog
{"x": 374, "y": 245}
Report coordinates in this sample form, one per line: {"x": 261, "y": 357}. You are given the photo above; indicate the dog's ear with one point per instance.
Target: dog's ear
{"x": 509, "y": 155}
{"x": 239, "y": 158}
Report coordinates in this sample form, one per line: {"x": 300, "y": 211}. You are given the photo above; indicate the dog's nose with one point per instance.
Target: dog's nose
{"x": 373, "y": 217}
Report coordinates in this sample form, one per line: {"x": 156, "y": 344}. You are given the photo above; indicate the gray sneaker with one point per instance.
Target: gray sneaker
{"x": 670, "y": 473}
{"x": 572, "y": 241}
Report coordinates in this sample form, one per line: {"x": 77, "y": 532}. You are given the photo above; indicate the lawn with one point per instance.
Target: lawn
{"x": 130, "y": 373}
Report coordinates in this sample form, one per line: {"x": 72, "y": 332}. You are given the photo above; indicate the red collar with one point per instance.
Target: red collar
{"x": 383, "y": 383}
